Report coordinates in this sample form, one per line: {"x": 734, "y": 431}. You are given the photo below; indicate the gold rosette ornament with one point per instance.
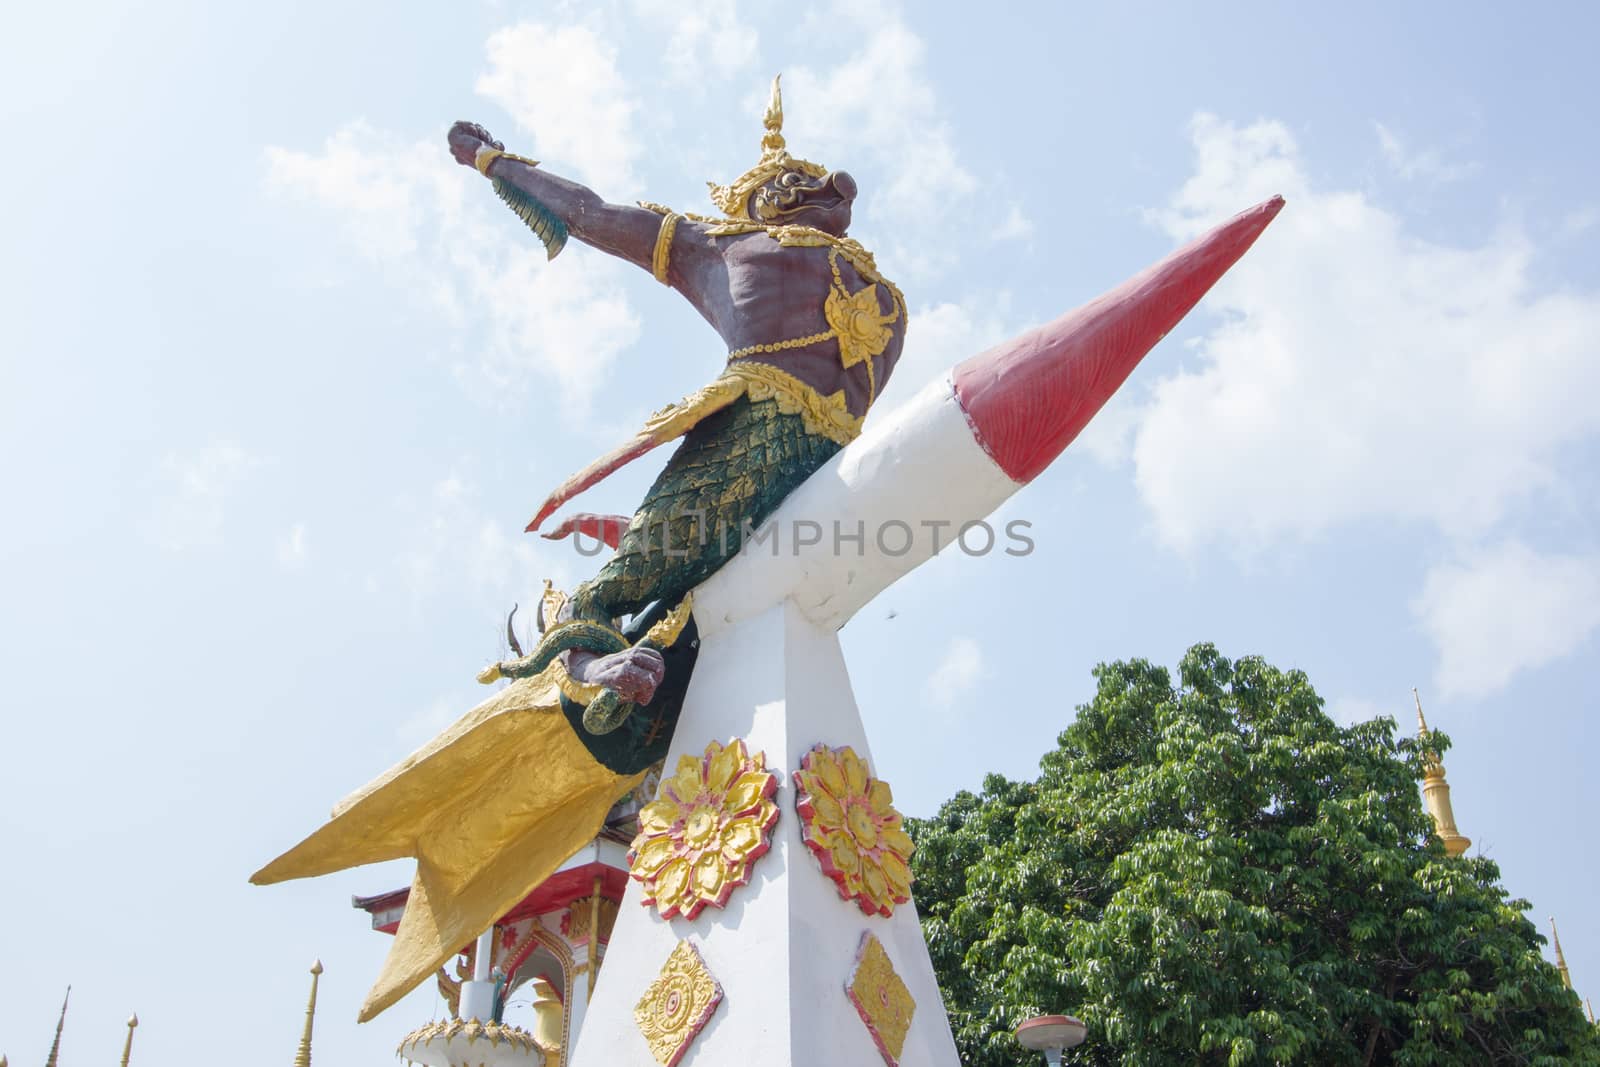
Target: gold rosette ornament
{"x": 707, "y": 826}
{"x": 848, "y": 820}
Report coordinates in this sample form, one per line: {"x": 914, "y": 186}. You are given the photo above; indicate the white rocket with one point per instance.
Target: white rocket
{"x": 770, "y": 671}
{"x": 961, "y": 447}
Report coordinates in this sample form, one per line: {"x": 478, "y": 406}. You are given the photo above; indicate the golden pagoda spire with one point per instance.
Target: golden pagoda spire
{"x": 1561, "y": 959}
{"x": 55, "y": 1046}
{"x": 302, "y": 1058}
{"x": 1436, "y": 794}
{"x": 127, "y": 1046}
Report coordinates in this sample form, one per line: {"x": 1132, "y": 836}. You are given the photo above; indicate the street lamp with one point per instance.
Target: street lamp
{"x": 1051, "y": 1034}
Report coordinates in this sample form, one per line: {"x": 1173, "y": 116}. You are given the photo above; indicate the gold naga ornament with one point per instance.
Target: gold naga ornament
{"x": 849, "y": 822}
{"x": 881, "y": 998}
{"x": 707, "y": 826}
{"x": 677, "y": 1005}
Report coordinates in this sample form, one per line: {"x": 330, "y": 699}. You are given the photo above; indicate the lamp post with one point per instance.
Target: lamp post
{"x": 1051, "y": 1035}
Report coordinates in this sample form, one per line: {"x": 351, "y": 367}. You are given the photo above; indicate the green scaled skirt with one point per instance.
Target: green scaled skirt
{"x": 729, "y": 474}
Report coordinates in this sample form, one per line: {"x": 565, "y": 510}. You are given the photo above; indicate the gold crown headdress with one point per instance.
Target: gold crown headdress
{"x": 734, "y": 198}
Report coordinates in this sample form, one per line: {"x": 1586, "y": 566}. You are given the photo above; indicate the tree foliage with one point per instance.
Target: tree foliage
{"x": 1218, "y": 873}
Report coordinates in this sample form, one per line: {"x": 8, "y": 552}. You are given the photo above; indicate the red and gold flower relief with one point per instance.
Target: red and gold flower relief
{"x": 707, "y": 826}
{"x": 849, "y": 822}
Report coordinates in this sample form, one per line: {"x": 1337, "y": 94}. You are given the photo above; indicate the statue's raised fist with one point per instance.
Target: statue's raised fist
{"x": 466, "y": 138}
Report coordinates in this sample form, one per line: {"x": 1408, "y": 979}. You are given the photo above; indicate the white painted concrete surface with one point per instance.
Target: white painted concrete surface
{"x": 785, "y": 945}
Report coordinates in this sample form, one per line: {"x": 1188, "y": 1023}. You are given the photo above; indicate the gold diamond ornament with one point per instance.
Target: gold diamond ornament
{"x": 881, "y": 998}
{"x": 677, "y": 1005}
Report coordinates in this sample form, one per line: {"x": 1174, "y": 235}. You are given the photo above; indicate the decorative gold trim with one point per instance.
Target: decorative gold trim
{"x": 779, "y": 346}
{"x": 677, "y": 1005}
{"x": 486, "y": 157}
{"x": 828, "y": 416}
{"x": 825, "y": 415}
{"x": 863, "y": 330}
{"x": 663, "y": 252}
{"x": 665, "y": 632}
{"x": 881, "y": 999}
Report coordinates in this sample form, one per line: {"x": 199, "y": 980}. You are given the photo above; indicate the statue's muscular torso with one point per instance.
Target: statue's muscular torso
{"x": 754, "y": 291}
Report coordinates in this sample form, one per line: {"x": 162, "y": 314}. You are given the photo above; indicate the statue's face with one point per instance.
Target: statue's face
{"x": 796, "y": 198}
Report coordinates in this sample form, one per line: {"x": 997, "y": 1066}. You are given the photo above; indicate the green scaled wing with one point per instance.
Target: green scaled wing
{"x": 540, "y": 219}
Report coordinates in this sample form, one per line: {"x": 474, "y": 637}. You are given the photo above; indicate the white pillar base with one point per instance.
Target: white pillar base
{"x": 784, "y": 947}
{"x": 477, "y": 1001}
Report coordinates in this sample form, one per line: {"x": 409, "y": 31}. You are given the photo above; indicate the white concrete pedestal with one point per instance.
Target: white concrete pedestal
{"x": 784, "y": 947}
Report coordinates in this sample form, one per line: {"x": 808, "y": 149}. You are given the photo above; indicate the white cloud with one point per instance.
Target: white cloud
{"x": 1418, "y": 164}
{"x": 190, "y": 512}
{"x": 1347, "y": 711}
{"x": 562, "y": 87}
{"x": 1579, "y": 221}
{"x": 1359, "y": 371}
{"x": 436, "y": 229}
{"x": 1015, "y": 226}
{"x": 292, "y": 548}
{"x": 957, "y": 675}
{"x": 426, "y": 722}
{"x": 1506, "y": 609}
{"x": 457, "y": 544}
{"x": 703, "y": 38}
{"x": 878, "y": 105}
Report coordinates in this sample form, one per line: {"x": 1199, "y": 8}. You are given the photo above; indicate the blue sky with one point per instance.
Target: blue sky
{"x": 280, "y": 384}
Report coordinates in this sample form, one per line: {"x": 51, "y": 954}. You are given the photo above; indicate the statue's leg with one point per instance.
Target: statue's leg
{"x": 730, "y": 473}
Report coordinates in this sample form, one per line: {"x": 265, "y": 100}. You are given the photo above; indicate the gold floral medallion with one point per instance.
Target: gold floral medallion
{"x": 677, "y": 1005}
{"x": 849, "y": 822}
{"x": 881, "y": 998}
{"x": 707, "y": 826}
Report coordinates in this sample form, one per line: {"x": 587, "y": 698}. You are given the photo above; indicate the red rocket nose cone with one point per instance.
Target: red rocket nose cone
{"x": 1029, "y": 397}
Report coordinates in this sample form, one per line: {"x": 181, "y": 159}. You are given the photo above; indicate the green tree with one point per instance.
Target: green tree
{"x": 1219, "y": 873}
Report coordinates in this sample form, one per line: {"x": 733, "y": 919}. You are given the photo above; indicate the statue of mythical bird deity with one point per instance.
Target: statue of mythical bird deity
{"x": 812, "y": 332}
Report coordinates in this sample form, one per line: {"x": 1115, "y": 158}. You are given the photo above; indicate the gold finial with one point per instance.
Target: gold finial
{"x": 302, "y": 1058}
{"x": 772, "y": 141}
{"x": 127, "y": 1046}
{"x": 55, "y": 1046}
{"x": 1586, "y": 1004}
{"x": 1561, "y": 959}
{"x": 1436, "y": 793}
{"x": 734, "y": 198}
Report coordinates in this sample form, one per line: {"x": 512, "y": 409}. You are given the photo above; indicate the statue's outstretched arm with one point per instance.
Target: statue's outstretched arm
{"x": 626, "y": 232}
